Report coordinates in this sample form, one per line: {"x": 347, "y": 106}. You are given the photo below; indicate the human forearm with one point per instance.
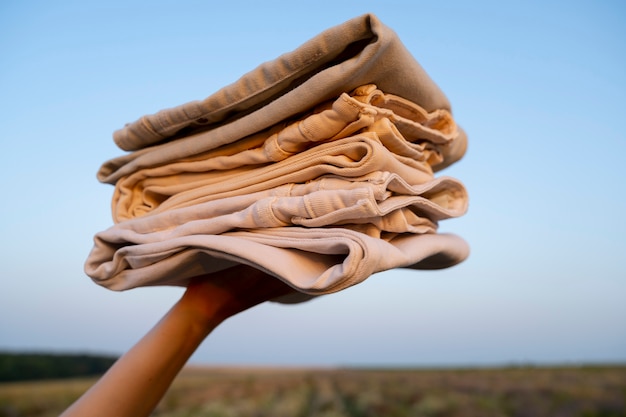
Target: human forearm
{"x": 134, "y": 385}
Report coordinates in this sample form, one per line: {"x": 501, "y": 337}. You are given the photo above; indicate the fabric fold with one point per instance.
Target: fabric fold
{"x": 313, "y": 261}
{"x": 346, "y": 115}
{"x": 333, "y": 201}
{"x": 339, "y": 59}
{"x": 352, "y": 114}
{"x": 350, "y": 157}
{"x": 317, "y": 167}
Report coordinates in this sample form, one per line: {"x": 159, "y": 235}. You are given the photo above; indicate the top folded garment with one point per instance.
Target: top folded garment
{"x": 357, "y": 52}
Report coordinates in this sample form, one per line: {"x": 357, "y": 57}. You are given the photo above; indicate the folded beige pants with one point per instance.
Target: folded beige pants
{"x": 378, "y": 207}
{"x": 315, "y": 261}
{"x": 190, "y": 199}
{"x": 358, "y": 52}
{"x": 402, "y": 127}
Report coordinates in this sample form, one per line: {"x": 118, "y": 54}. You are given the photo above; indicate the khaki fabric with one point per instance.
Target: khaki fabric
{"x": 317, "y": 167}
{"x": 358, "y": 52}
{"x": 337, "y": 60}
{"x": 402, "y": 127}
{"x": 315, "y": 261}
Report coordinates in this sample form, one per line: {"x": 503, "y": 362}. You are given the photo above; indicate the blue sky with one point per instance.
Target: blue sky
{"x": 539, "y": 87}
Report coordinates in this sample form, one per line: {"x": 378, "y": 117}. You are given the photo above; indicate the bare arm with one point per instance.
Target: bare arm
{"x": 134, "y": 385}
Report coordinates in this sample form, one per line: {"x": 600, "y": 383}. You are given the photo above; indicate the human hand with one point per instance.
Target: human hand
{"x": 212, "y": 298}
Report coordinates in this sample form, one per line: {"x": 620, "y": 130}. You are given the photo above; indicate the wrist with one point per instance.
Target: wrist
{"x": 201, "y": 311}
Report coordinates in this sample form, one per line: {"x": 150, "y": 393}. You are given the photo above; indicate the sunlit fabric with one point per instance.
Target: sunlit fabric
{"x": 318, "y": 168}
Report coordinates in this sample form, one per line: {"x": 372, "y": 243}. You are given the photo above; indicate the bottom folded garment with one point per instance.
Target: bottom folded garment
{"x": 314, "y": 261}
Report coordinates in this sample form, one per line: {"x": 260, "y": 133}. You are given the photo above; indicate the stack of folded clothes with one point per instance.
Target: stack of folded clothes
{"x": 317, "y": 168}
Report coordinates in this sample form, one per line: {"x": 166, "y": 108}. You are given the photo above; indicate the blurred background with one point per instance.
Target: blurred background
{"x": 539, "y": 87}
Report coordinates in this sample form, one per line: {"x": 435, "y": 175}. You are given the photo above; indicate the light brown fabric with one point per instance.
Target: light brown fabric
{"x": 338, "y": 59}
{"x": 285, "y": 171}
{"x": 411, "y": 134}
{"x": 358, "y": 52}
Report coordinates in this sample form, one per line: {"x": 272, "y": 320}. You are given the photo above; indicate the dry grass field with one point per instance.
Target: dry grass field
{"x": 590, "y": 391}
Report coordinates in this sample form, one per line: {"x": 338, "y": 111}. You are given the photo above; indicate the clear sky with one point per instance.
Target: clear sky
{"x": 539, "y": 86}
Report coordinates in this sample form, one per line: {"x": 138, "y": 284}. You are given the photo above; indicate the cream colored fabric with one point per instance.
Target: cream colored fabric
{"x": 375, "y": 208}
{"x": 349, "y": 157}
{"x": 335, "y": 61}
{"x": 327, "y": 201}
{"x": 318, "y": 168}
{"x": 314, "y": 260}
{"x": 358, "y": 52}
{"x": 405, "y": 129}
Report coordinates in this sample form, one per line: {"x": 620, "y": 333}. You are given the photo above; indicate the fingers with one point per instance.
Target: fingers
{"x": 222, "y": 294}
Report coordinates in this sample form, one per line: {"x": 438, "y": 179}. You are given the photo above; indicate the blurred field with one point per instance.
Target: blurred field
{"x": 210, "y": 392}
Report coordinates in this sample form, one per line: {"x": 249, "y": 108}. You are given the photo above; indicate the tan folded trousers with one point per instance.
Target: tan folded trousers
{"x": 378, "y": 207}
{"x": 314, "y": 260}
{"x": 349, "y": 157}
{"x": 402, "y": 127}
{"x": 358, "y": 52}
{"x": 284, "y": 171}
{"x": 327, "y": 201}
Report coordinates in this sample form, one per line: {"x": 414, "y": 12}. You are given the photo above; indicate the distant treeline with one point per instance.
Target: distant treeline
{"x": 33, "y": 366}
